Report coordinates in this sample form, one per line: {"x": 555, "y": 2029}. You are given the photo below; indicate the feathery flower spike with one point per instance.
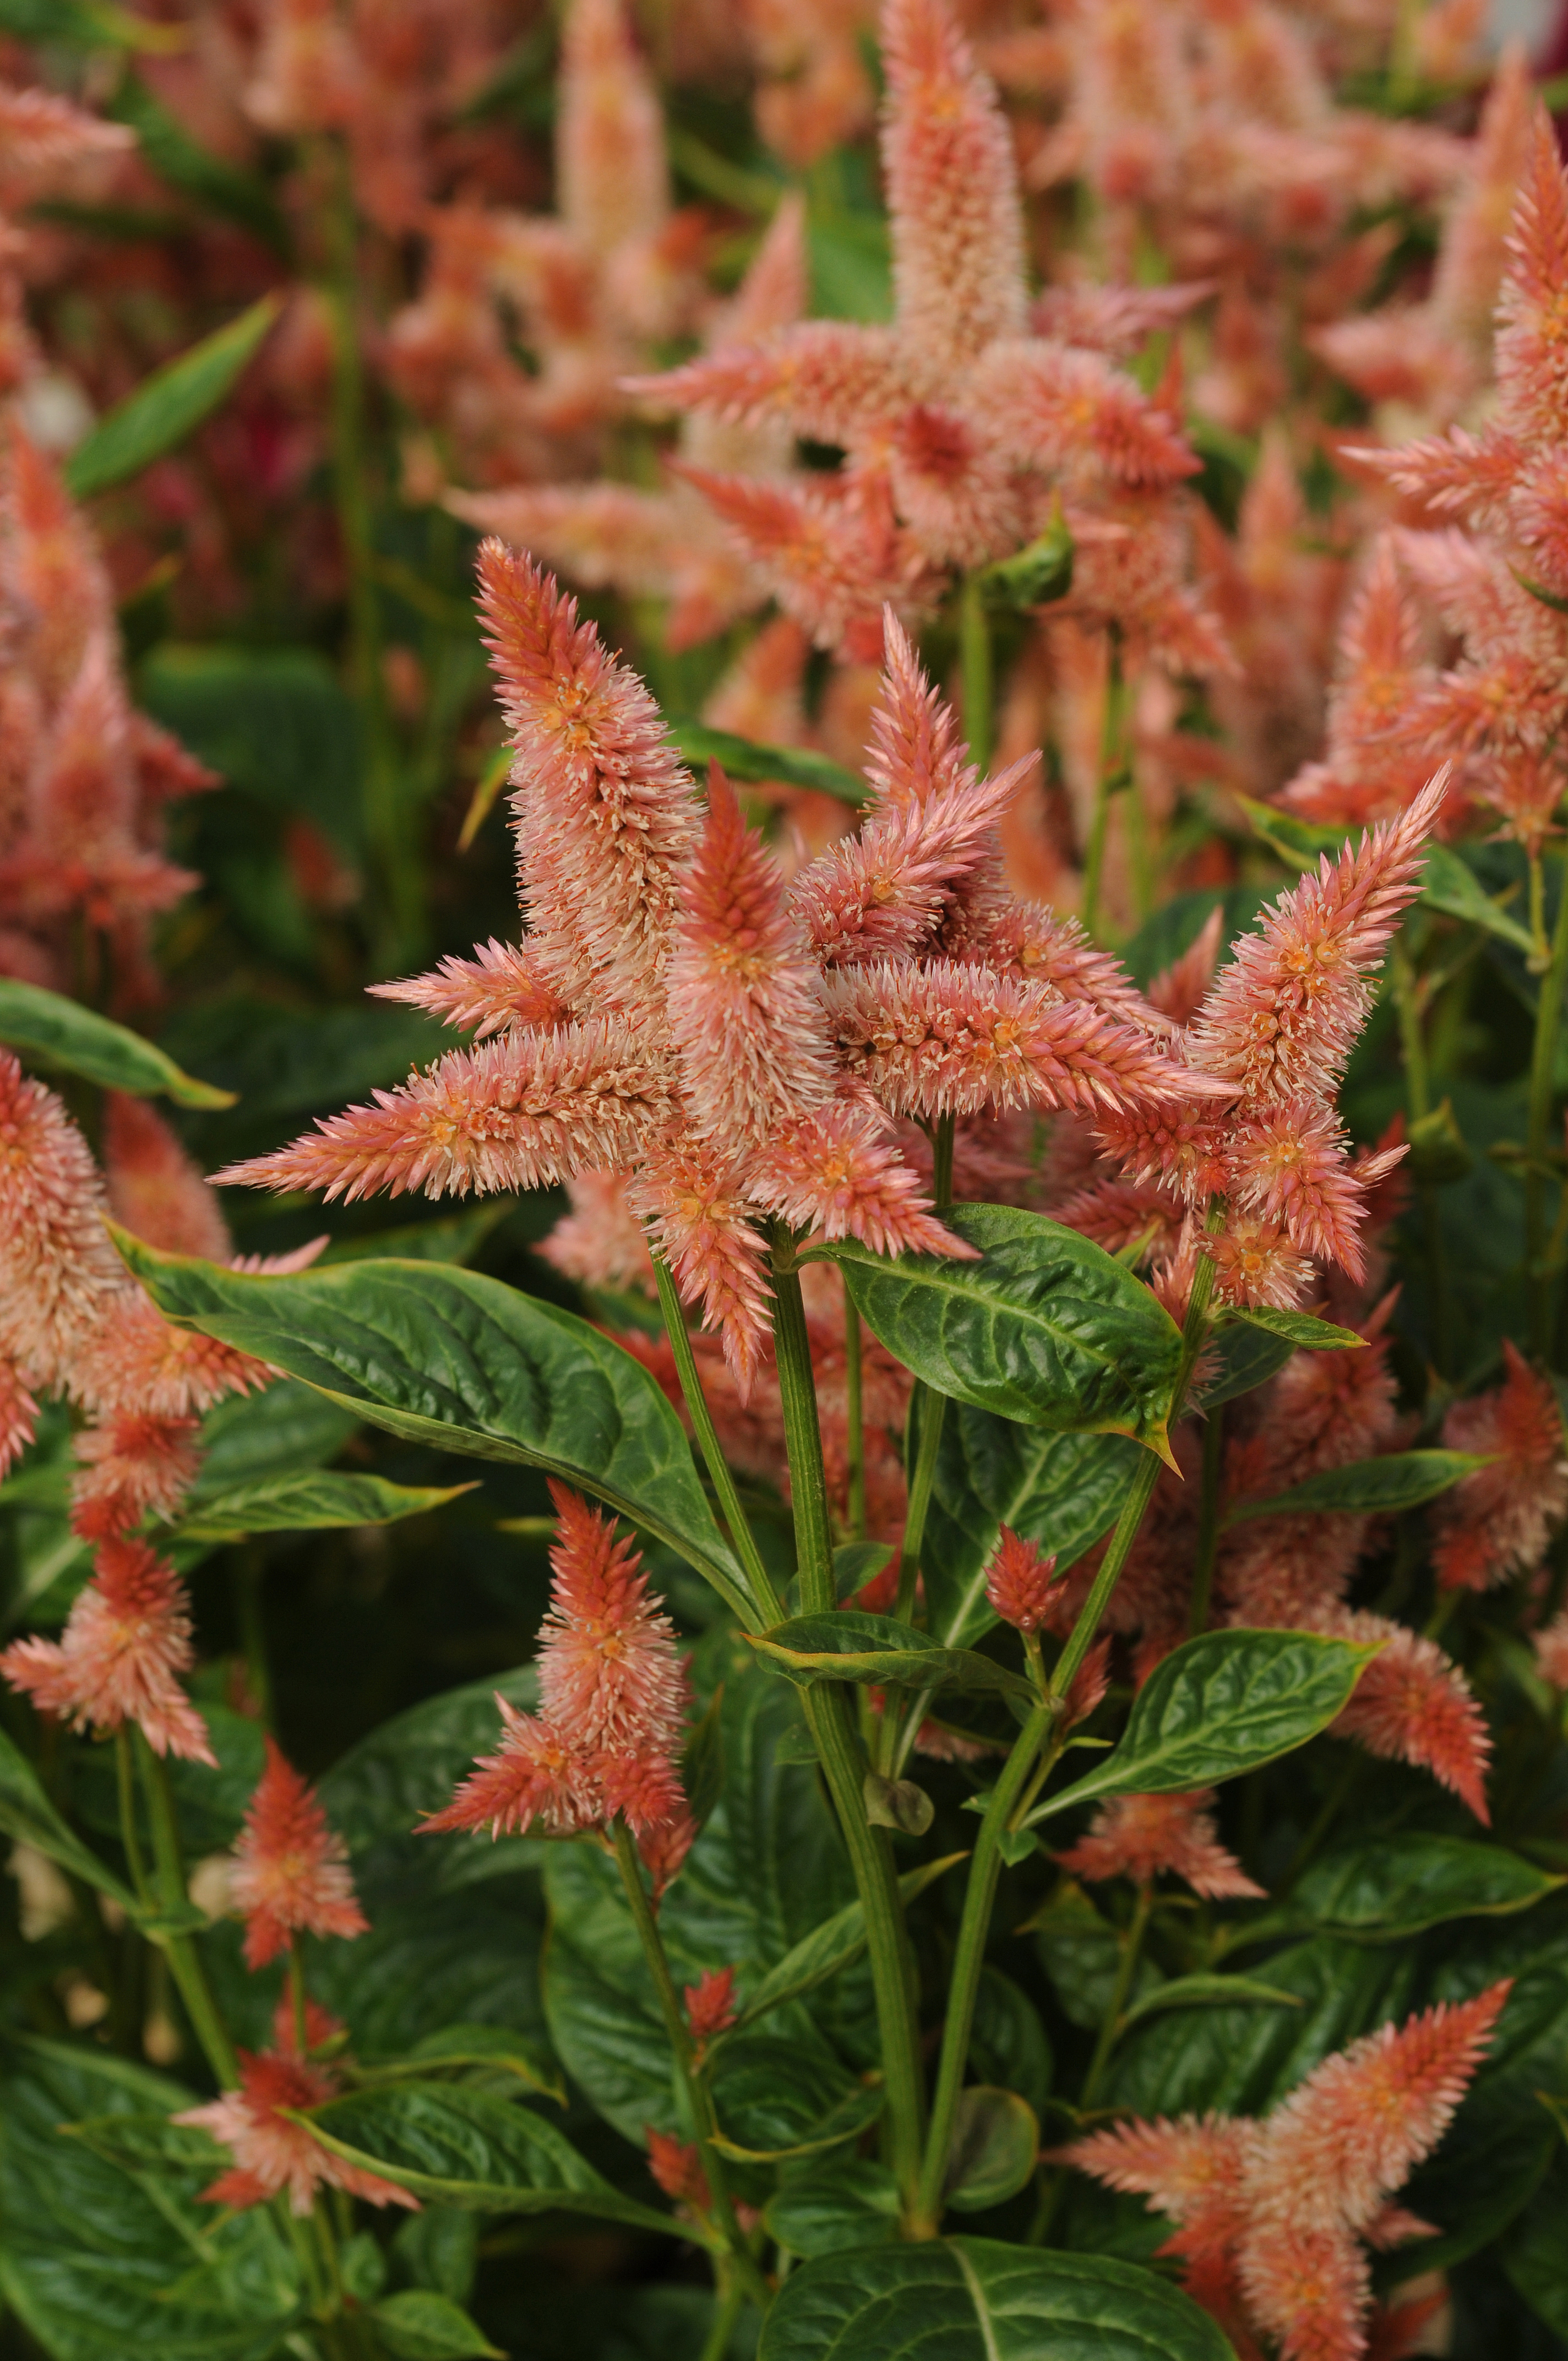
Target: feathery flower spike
{"x": 291, "y": 1870}
{"x": 609, "y": 1676}
{"x": 1498, "y": 1521}
{"x": 710, "y": 2003}
{"x": 271, "y": 2152}
{"x": 127, "y": 1642}
{"x": 1141, "y": 1836}
{"x": 1018, "y": 1581}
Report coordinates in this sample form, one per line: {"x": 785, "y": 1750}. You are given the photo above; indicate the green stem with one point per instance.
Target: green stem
{"x": 699, "y": 2103}
{"x": 1208, "y": 1520}
{"x": 889, "y": 1952}
{"x": 1542, "y": 1073}
{"x": 976, "y": 686}
{"x": 183, "y": 1958}
{"x": 130, "y": 1836}
{"x": 1126, "y": 1968}
{"x": 854, "y": 1418}
{"x": 727, "y": 2311}
{"x": 931, "y": 1409}
{"x": 1107, "y": 784}
{"x": 763, "y": 1608}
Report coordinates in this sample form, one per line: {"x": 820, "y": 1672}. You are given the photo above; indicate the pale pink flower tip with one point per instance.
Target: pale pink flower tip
{"x": 1018, "y": 1581}
{"x": 1498, "y": 1521}
{"x": 125, "y": 1643}
{"x": 291, "y": 1870}
{"x": 1140, "y": 1836}
{"x": 678, "y": 2168}
{"x": 609, "y": 1674}
{"x": 710, "y": 2003}
{"x": 271, "y": 2153}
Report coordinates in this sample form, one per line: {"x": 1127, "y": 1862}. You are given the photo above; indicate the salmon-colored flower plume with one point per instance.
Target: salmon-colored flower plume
{"x": 290, "y": 1873}
{"x": 273, "y": 2152}
{"x": 1498, "y": 1522}
{"x": 837, "y": 1174}
{"x": 609, "y": 1673}
{"x": 132, "y": 1465}
{"x": 500, "y": 987}
{"x": 1141, "y": 1837}
{"x": 710, "y": 2003}
{"x": 676, "y": 2165}
{"x": 1018, "y": 1581}
{"x": 695, "y": 1202}
{"x": 127, "y": 1642}
{"x": 536, "y": 1776}
{"x": 1414, "y": 1704}
{"x": 155, "y": 1191}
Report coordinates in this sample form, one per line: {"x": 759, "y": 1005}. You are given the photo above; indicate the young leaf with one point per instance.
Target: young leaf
{"x": 1296, "y": 841}
{"x": 1298, "y": 1328}
{"x": 252, "y": 1438}
{"x": 857, "y": 1563}
{"x": 1450, "y": 884}
{"x": 897, "y": 1803}
{"x": 457, "y": 2146}
{"x": 26, "y": 1814}
{"x": 976, "y": 2300}
{"x": 451, "y": 1358}
{"x": 1208, "y": 1991}
{"x": 168, "y": 404}
{"x": 420, "y": 2325}
{"x": 310, "y": 1503}
{"x": 64, "y": 1035}
{"x": 996, "y": 2140}
{"x": 1046, "y": 1327}
{"x": 1247, "y": 1358}
{"x": 749, "y": 759}
{"x": 777, "y": 2099}
{"x": 1009, "y": 2046}
{"x": 1218, "y": 1705}
{"x": 852, "y": 1646}
{"x": 492, "y": 2046}
{"x": 1391, "y": 1888}
{"x": 1367, "y": 1487}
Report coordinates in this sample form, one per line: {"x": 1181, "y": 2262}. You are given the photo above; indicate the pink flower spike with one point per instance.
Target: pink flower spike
{"x": 291, "y": 1870}
{"x": 1140, "y": 1836}
{"x": 535, "y": 1777}
{"x": 517, "y": 1112}
{"x": 609, "y": 1674}
{"x": 1018, "y": 1581}
{"x": 1498, "y": 1522}
{"x": 18, "y": 1417}
{"x": 916, "y": 755}
{"x": 832, "y": 1173}
{"x": 127, "y": 1642}
{"x": 1190, "y": 2170}
{"x": 678, "y": 2168}
{"x": 743, "y": 1008}
{"x": 1414, "y": 1704}
{"x": 498, "y": 990}
{"x": 56, "y": 1266}
{"x": 132, "y": 1465}
{"x": 1290, "y": 1166}
{"x": 704, "y": 1228}
{"x": 270, "y": 2151}
{"x": 710, "y": 2003}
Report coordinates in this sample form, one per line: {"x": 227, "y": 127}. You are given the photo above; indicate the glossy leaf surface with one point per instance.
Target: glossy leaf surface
{"x": 1391, "y": 1888}
{"x": 168, "y": 404}
{"x": 64, "y": 1035}
{"x": 310, "y": 1503}
{"x": 1367, "y": 1487}
{"x": 854, "y": 1646}
{"x": 996, "y": 2139}
{"x": 1299, "y": 1329}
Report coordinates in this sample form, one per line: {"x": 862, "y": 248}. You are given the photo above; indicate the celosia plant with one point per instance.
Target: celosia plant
{"x": 874, "y": 1654}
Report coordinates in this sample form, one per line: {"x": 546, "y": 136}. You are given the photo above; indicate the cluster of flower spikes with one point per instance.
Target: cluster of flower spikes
{"x": 85, "y": 778}
{"x": 613, "y": 1706}
{"x": 288, "y": 1876}
{"x": 74, "y": 1324}
{"x": 1274, "y": 2217}
{"x": 741, "y": 1047}
{"x": 963, "y": 432}
{"x": 1498, "y": 713}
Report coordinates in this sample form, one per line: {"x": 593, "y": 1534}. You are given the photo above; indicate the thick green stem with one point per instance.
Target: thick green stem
{"x": 1542, "y": 1073}
{"x": 698, "y": 2102}
{"x": 854, "y": 1419}
{"x": 763, "y": 1608}
{"x": 828, "y": 1717}
{"x": 1208, "y": 1520}
{"x": 975, "y": 681}
{"x": 726, "y": 2312}
{"x": 184, "y": 1961}
{"x": 1121, "y": 1990}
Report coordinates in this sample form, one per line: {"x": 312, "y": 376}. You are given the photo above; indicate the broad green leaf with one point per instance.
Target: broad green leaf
{"x": 453, "y": 1358}
{"x": 99, "y": 2258}
{"x": 1299, "y": 1329}
{"x": 857, "y": 1563}
{"x": 1247, "y": 1358}
{"x": 65, "y": 1037}
{"x": 450, "y": 2146}
{"x": 1208, "y": 1991}
{"x": 1061, "y": 1490}
{"x": 167, "y": 405}
{"x": 279, "y": 726}
{"x": 836, "y": 1944}
{"x": 251, "y": 1438}
{"x": 1219, "y": 1705}
{"x": 1535, "y": 2255}
{"x": 777, "y": 2099}
{"x": 853, "y": 1646}
{"x": 456, "y": 1237}
{"x": 376, "y": 1793}
{"x": 749, "y": 759}
{"x": 1391, "y": 1888}
{"x": 996, "y": 2141}
{"x": 1046, "y": 1327}
{"x": 1367, "y": 1487}
{"x": 835, "y": 2206}
{"x": 420, "y": 2325}
{"x": 26, "y": 1814}
{"x": 210, "y": 1799}
{"x": 492, "y": 2047}
{"x": 975, "y": 2299}
{"x": 1450, "y": 884}
{"x": 163, "y": 142}
{"x": 1081, "y": 1954}
{"x": 148, "y": 2142}
{"x": 308, "y": 1503}
{"x": 1008, "y": 2044}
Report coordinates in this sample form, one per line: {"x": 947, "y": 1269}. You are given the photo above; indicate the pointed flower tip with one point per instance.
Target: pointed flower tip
{"x": 291, "y": 1870}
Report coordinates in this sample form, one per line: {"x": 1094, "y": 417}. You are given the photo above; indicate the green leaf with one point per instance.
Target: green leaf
{"x": 1037, "y": 574}
{"x": 1046, "y": 1327}
{"x": 995, "y": 2145}
{"x": 251, "y": 1438}
{"x": 453, "y": 2146}
{"x": 852, "y": 1646}
{"x": 308, "y": 1503}
{"x": 777, "y": 2099}
{"x": 1534, "y": 2255}
{"x": 1367, "y": 1487}
{"x": 836, "y": 1944}
{"x": 1450, "y": 884}
{"x": 837, "y": 2205}
{"x": 420, "y": 2325}
{"x": 279, "y": 726}
{"x": 1295, "y": 840}
{"x": 1247, "y": 1358}
{"x": 1298, "y": 1328}
{"x": 67, "y": 1038}
{"x": 220, "y": 187}
{"x": 857, "y": 1563}
{"x": 26, "y": 1814}
{"x": 1219, "y": 1705}
{"x": 1208, "y": 1991}
{"x": 492, "y": 2046}
{"x": 976, "y": 2300}
{"x": 1391, "y": 1888}
{"x": 1081, "y": 1953}
{"x": 86, "y": 24}
{"x": 1008, "y": 2044}
{"x": 897, "y": 1803}
{"x": 167, "y": 405}
{"x": 453, "y": 1358}
{"x": 1061, "y": 1491}
{"x": 749, "y": 759}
